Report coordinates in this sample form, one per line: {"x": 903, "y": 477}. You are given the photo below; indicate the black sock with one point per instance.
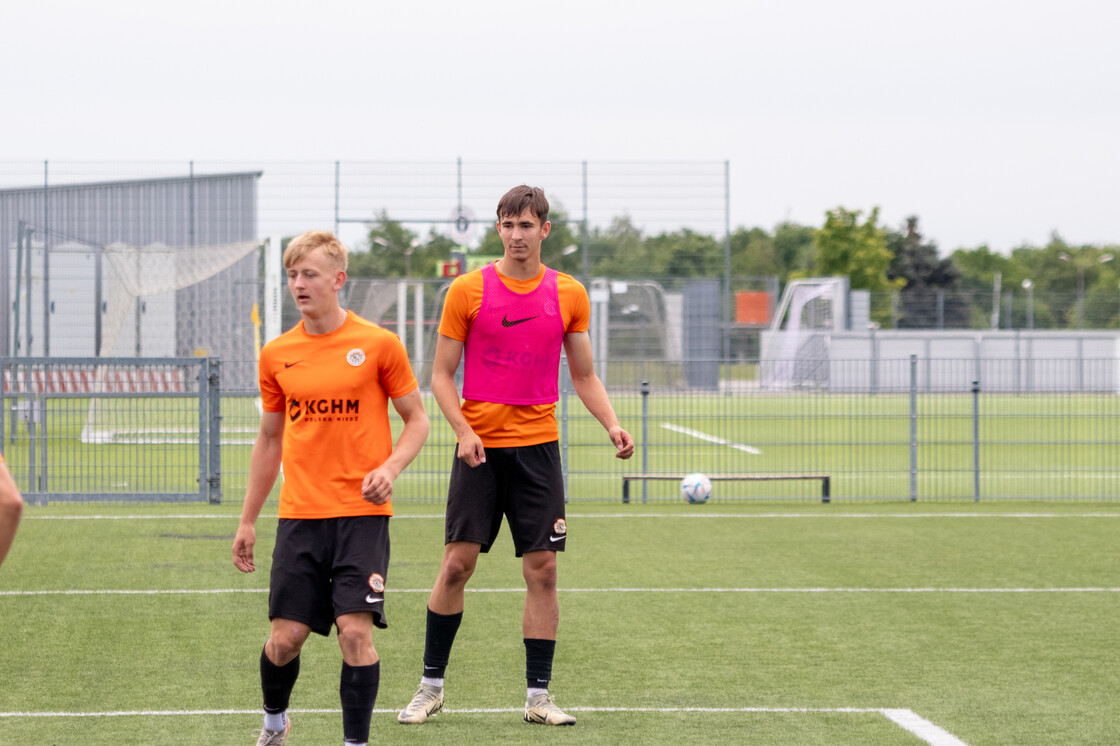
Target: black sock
{"x": 277, "y": 683}
{"x": 357, "y": 689}
{"x": 538, "y": 662}
{"x": 439, "y": 636}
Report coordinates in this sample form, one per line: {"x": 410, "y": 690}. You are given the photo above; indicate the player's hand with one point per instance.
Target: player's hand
{"x": 377, "y": 487}
{"x": 471, "y": 451}
{"x": 622, "y": 441}
{"x": 243, "y": 548}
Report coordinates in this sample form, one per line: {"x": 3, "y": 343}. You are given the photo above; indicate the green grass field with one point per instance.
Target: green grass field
{"x": 729, "y": 622}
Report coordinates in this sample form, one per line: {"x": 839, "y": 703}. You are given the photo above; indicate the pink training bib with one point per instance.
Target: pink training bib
{"x": 512, "y": 350}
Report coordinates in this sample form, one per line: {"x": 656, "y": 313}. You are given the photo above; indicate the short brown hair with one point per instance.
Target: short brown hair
{"x": 519, "y": 198}
{"x": 308, "y": 241}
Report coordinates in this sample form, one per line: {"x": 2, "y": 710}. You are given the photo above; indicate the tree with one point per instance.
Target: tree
{"x": 978, "y": 268}
{"x": 845, "y": 246}
{"x": 391, "y": 246}
{"x": 619, "y": 250}
{"x": 793, "y": 248}
{"x": 931, "y": 294}
{"x": 685, "y": 253}
{"x": 753, "y": 254}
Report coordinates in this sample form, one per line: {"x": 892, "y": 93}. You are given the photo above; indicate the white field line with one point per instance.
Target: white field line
{"x": 906, "y": 719}
{"x": 711, "y": 438}
{"x": 922, "y": 728}
{"x": 224, "y": 591}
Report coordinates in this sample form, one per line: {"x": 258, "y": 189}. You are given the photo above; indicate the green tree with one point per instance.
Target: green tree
{"x": 931, "y": 282}
{"x": 391, "y": 246}
{"x": 978, "y": 268}
{"x": 685, "y": 253}
{"x": 618, "y": 250}
{"x": 753, "y": 254}
{"x": 793, "y": 248}
{"x": 845, "y": 246}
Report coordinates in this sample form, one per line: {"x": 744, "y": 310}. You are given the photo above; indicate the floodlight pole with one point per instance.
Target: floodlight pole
{"x": 1080, "y": 266}
{"x": 46, "y": 263}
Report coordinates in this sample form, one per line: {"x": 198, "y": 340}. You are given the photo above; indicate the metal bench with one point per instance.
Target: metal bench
{"x": 826, "y": 495}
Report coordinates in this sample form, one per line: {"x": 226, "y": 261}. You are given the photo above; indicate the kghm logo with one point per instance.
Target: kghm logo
{"x": 324, "y": 409}
{"x": 494, "y": 356}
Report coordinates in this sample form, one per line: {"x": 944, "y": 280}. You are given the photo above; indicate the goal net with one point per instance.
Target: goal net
{"x": 795, "y": 350}
{"x": 174, "y": 301}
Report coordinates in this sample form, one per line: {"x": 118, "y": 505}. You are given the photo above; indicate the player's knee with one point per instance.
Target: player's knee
{"x": 284, "y": 644}
{"x": 539, "y": 570}
{"x": 11, "y": 504}
{"x": 354, "y": 640}
{"x": 456, "y": 570}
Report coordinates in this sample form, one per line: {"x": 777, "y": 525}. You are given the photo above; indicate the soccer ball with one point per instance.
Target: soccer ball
{"x": 696, "y": 488}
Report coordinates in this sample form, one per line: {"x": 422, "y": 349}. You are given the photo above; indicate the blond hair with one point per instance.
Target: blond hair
{"x": 306, "y": 242}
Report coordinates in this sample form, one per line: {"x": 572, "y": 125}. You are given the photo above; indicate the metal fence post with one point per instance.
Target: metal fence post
{"x": 976, "y": 441}
{"x": 913, "y": 428}
{"x": 645, "y": 440}
{"x": 40, "y": 411}
{"x": 214, "y": 461}
{"x": 203, "y": 427}
{"x": 4, "y": 400}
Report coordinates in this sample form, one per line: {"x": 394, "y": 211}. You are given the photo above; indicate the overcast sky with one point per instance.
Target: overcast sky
{"x": 994, "y": 122}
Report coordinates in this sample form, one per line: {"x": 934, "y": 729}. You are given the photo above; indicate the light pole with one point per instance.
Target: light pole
{"x": 1081, "y": 265}
{"x": 1029, "y": 287}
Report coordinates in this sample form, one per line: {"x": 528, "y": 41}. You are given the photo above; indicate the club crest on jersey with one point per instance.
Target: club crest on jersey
{"x": 377, "y": 583}
{"x": 356, "y": 357}
{"x": 560, "y": 527}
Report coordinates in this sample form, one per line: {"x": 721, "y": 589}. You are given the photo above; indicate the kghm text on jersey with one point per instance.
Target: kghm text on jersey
{"x": 297, "y": 409}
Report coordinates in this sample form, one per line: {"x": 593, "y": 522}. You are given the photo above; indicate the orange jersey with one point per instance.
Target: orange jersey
{"x": 507, "y": 425}
{"x": 334, "y": 390}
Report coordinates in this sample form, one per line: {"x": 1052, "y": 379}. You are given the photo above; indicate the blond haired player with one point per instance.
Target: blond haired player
{"x": 11, "y": 509}
{"x": 325, "y": 387}
{"x": 508, "y": 323}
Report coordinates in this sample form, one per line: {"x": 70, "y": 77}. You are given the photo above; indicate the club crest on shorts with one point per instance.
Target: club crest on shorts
{"x": 560, "y": 527}
{"x": 377, "y": 583}
{"x": 356, "y": 357}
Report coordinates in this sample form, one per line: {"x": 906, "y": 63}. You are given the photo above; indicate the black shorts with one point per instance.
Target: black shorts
{"x": 525, "y": 484}
{"x": 324, "y": 568}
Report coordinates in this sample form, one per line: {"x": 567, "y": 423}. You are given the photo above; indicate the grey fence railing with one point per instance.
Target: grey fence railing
{"x": 121, "y": 429}
{"x": 925, "y": 432}
{"x": 929, "y": 430}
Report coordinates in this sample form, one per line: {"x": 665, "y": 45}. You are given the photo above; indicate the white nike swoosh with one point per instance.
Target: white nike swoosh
{"x": 557, "y": 538}
{"x": 370, "y": 600}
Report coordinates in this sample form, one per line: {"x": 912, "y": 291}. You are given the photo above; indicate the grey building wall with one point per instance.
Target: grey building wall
{"x": 213, "y": 316}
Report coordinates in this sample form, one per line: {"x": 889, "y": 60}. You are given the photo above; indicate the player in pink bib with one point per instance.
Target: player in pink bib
{"x": 509, "y": 321}
{"x": 515, "y": 360}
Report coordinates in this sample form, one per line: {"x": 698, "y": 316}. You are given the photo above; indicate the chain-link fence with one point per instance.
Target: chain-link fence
{"x": 120, "y": 429}
{"x": 929, "y": 430}
{"x": 165, "y": 260}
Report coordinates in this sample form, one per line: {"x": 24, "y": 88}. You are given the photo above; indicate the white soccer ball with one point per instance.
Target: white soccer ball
{"x": 696, "y": 488}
